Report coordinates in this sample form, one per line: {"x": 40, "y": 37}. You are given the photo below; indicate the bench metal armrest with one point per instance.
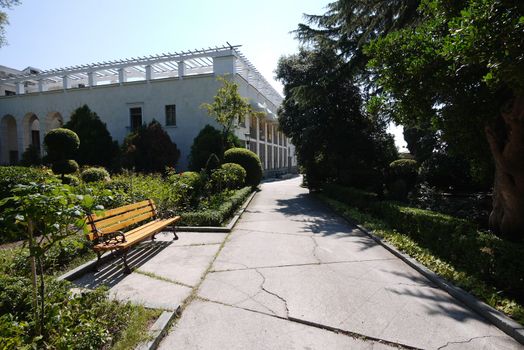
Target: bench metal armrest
{"x": 113, "y": 235}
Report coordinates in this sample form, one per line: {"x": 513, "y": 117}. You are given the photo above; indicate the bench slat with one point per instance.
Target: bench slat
{"x": 112, "y": 212}
{"x": 123, "y": 217}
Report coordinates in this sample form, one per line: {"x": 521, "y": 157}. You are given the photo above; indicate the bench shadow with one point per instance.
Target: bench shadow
{"x": 111, "y": 273}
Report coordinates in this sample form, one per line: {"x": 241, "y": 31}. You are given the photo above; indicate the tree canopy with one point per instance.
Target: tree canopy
{"x": 97, "y": 146}
{"x": 4, "y": 19}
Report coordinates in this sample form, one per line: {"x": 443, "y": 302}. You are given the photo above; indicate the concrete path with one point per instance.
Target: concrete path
{"x": 292, "y": 275}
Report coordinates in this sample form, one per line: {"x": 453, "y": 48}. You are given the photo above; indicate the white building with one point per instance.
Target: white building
{"x": 127, "y": 93}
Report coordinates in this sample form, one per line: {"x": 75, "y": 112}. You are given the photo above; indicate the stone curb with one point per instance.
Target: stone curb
{"x": 82, "y": 269}
{"x": 497, "y": 318}
{"x": 158, "y": 331}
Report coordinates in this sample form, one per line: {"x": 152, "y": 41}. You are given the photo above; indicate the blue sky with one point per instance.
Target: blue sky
{"x": 57, "y": 33}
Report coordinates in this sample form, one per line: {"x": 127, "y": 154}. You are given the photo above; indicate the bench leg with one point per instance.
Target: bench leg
{"x": 127, "y": 270}
{"x": 96, "y": 268}
{"x": 175, "y": 237}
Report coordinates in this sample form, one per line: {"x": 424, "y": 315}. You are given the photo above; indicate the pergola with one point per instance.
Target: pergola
{"x": 161, "y": 66}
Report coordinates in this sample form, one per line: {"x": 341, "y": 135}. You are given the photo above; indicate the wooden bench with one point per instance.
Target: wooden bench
{"x": 105, "y": 230}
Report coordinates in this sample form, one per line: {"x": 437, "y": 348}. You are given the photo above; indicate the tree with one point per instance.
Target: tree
{"x": 229, "y": 108}
{"x": 62, "y": 145}
{"x": 3, "y": 18}
{"x": 43, "y": 213}
{"x": 150, "y": 149}
{"x": 323, "y": 114}
{"x": 465, "y": 60}
{"x": 97, "y": 146}
{"x": 207, "y": 142}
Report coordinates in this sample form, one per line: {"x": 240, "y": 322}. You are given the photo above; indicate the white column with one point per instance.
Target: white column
{"x": 40, "y": 85}
{"x": 149, "y": 73}
{"x": 258, "y": 136}
{"x": 91, "y": 79}
{"x": 278, "y": 149}
{"x": 265, "y": 144}
{"x": 19, "y": 87}
{"x": 181, "y": 69}
{"x": 65, "y": 82}
{"x": 122, "y": 78}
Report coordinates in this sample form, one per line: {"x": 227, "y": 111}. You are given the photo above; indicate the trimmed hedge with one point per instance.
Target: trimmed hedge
{"x": 216, "y": 217}
{"x": 457, "y": 241}
{"x": 249, "y": 161}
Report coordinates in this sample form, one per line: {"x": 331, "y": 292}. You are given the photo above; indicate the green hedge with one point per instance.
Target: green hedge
{"x": 456, "y": 241}
{"x": 216, "y": 217}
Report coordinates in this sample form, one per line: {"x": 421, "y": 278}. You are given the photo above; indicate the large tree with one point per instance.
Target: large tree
{"x": 323, "y": 114}
{"x": 465, "y": 60}
{"x": 97, "y": 146}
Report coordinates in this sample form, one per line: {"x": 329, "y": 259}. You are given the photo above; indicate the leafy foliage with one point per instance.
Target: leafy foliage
{"x": 207, "y": 142}
{"x": 228, "y": 107}
{"x": 62, "y": 145}
{"x": 249, "y": 161}
{"x": 3, "y": 18}
{"x": 150, "y": 149}
{"x": 94, "y": 175}
{"x": 323, "y": 114}
{"x": 97, "y": 146}
{"x": 229, "y": 176}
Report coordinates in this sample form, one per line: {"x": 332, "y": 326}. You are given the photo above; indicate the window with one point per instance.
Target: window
{"x": 9, "y": 93}
{"x": 135, "y": 117}
{"x": 170, "y": 115}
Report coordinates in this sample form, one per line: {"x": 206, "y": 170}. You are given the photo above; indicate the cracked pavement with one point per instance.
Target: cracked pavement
{"x": 292, "y": 275}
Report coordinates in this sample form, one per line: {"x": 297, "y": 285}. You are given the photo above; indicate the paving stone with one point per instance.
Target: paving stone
{"x": 185, "y": 264}
{"x": 192, "y": 238}
{"x": 206, "y": 325}
{"x": 150, "y": 292}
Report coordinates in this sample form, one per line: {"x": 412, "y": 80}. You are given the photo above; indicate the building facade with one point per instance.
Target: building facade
{"x": 125, "y": 94}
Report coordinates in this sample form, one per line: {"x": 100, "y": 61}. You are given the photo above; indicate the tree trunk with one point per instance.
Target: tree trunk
{"x": 506, "y": 141}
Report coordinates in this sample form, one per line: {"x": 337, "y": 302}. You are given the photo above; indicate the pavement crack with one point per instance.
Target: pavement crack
{"x": 272, "y": 293}
{"x": 315, "y": 247}
{"x": 463, "y": 341}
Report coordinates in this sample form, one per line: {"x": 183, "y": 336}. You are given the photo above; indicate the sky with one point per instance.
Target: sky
{"x": 59, "y": 33}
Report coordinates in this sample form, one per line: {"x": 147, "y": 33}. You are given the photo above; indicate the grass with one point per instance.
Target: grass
{"x": 469, "y": 282}
{"x": 137, "y": 329}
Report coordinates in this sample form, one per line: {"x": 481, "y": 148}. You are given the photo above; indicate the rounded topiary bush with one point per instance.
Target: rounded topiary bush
{"x": 249, "y": 161}
{"x": 67, "y": 166}
{"x": 95, "y": 174}
{"x": 71, "y": 180}
{"x": 236, "y": 175}
{"x": 61, "y": 144}
{"x": 229, "y": 176}
{"x": 405, "y": 169}
{"x": 402, "y": 177}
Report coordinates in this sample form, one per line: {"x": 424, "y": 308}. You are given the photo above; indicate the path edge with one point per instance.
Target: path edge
{"x": 497, "y": 318}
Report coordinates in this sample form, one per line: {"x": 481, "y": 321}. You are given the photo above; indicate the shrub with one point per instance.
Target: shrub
{"x": 97, "y": 146}
{"x": 446, "y": 172}
{"x": 61, "y": 144}
{"x": 66, "y": 166}
{"x": 187, "y": 187}
{"x": 229, "y": 176}
{"x": 150, "y": 149}
{"x": 402, "y": 177}
{"x": 94, "y": 175}
{"x": 359, "y": 198}
{"x": 249, "y": 161}
{"x": 10, "y": 176}
{"x": 207, "y": 142}
{"x": 216, "y": 216}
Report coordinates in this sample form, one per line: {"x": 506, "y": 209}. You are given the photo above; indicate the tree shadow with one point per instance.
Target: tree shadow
{"x": 111, "y": 273}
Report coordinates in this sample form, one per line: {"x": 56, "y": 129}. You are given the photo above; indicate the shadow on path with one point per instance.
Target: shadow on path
{"x": 111, "y": 273}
